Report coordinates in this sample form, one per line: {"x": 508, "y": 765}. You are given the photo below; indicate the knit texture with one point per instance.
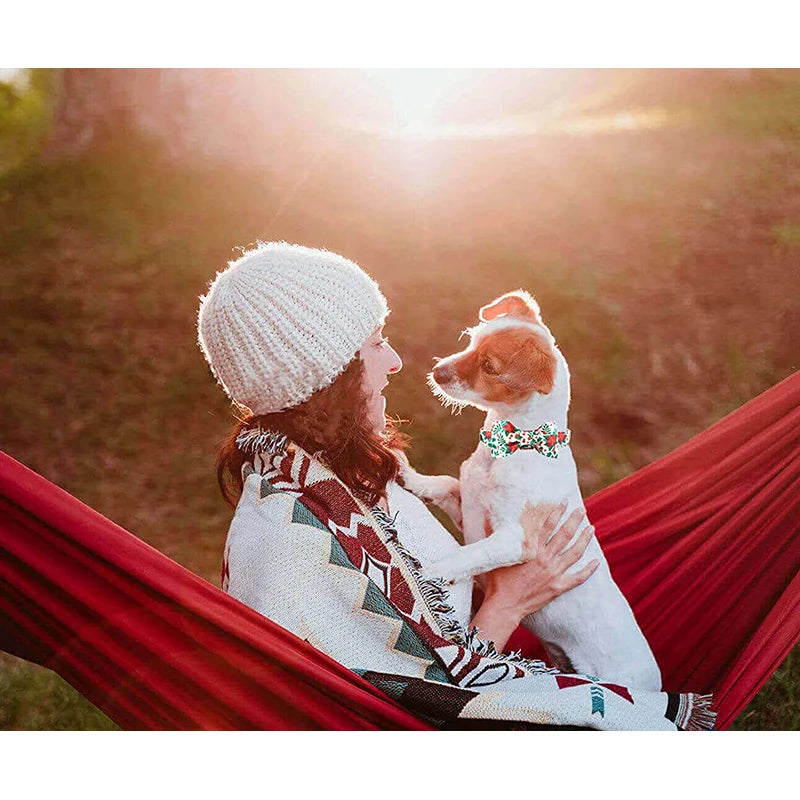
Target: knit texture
{"x": 303, "y": 551}
{"x": 283, "y": 321}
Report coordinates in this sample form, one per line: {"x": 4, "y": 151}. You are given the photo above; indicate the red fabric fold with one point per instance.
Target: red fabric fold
{"x": 705, "y": 542}
{"x": 148, "y": 642}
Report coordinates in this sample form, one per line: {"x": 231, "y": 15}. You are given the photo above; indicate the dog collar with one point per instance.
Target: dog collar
{"x": 505, "y": 438}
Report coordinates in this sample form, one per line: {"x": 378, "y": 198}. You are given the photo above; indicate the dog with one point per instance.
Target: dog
{"x": 513, "y": 370}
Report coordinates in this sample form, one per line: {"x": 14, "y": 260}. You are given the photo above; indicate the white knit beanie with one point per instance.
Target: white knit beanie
{"x": 283, "y": 321}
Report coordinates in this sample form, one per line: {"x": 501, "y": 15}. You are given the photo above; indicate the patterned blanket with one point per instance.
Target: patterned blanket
{"x": 422, "y": 657}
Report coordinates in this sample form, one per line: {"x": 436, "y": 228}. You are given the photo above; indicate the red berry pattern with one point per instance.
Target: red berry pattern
{"x": 505, "y": 438}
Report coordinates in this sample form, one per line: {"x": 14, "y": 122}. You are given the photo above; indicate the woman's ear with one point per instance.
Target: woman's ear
{"x": 519, "y": 305}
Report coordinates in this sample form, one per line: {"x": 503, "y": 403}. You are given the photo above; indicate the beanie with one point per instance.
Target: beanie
{"x": 283, "y": 321}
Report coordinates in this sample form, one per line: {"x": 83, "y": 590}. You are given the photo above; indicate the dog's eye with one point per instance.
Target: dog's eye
{"x": 488, "y": 368}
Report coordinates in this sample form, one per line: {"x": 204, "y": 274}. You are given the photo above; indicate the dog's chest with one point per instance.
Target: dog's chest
{"x": 477, "y": 491}
{"x": 486, "y": 477}
{"x": 492, "y": 486}
{"x": 478, "y": 466}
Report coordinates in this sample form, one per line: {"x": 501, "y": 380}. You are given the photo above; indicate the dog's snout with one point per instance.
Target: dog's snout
{"x": 442, "y": 373}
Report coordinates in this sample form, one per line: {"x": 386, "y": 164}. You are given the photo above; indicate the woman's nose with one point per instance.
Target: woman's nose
{"x": 396, "y": 363}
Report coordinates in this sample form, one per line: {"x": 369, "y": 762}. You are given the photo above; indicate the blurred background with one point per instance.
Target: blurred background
{"x": 655, "y": 215}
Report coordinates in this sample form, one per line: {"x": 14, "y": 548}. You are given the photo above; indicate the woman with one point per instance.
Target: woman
{"x": 331, "y": 547}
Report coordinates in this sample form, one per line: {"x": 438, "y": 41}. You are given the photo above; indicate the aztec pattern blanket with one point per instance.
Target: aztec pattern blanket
{"x": 359, "y": 596}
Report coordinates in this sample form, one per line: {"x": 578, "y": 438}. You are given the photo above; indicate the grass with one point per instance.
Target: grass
{"x": 666, "y": 261}
{"x": 775, "y": 706}
{"x": 33, "y": 698}
{"x": 787, "y": 234}
{"x": 24, "y": 117}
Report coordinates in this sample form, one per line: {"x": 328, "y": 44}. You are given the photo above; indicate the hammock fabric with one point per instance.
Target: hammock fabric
{"x": 705, "y": 543}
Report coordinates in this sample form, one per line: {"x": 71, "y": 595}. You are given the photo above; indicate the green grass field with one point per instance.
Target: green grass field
{"x": 665, "y": 261}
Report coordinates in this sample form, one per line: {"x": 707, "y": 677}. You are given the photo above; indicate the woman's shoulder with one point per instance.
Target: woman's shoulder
{"x": 269, "y": 539}
{"x": 262, "y": 515}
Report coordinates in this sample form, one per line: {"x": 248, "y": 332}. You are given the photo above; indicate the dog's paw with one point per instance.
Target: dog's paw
{"x": 411, "y": 480}
{"x": 441, "y": 570}
{"x": 405, "y": 467}
{"x": 443, "y": 491}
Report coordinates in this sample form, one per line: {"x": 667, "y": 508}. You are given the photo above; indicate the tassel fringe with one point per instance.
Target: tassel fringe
{"x": 434, "y": 592}
{"x": 701, "y": 717}
{"x": 694, "y": 712}
{"x": 256, "y": 440}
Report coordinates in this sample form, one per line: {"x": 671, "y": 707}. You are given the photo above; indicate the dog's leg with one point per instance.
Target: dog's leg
{"x": 556, "y": 653}
{"x": 441, "y": 490}
{"x": 501, "y": 549}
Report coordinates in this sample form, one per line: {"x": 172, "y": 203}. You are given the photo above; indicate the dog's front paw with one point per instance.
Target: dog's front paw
{"x": 431, "y": 488}
{"x": 405, "y": 468}
{"x": 411, "y": 480}
{"x": 445, "y": 492}
{"x": 441, "y": 490}
{"x": 443, "y": 569}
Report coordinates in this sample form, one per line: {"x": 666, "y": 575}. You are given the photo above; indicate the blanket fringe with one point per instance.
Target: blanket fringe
{"x": 256, "y": 440}
{"x": 701, "y": 717}
{"x": 435, "y": 593}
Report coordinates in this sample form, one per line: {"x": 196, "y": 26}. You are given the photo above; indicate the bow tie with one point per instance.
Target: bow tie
{"x": 506, "y": 439}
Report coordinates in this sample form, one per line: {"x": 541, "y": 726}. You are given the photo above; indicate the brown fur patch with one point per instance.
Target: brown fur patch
{"x": 522, "y": 362}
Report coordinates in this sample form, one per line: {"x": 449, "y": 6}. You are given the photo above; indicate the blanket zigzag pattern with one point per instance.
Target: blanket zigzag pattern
{"x": 465, "y": 657}
{"x": 468, "y": 679}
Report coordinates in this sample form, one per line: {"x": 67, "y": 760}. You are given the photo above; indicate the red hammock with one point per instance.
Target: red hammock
{"x": 704, "y": 542}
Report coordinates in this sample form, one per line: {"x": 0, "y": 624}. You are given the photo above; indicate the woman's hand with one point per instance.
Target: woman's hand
{"x": 512, "y": 593}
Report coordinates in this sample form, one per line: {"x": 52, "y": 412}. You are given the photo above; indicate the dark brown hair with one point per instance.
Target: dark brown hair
{"x": 333, "y": 424}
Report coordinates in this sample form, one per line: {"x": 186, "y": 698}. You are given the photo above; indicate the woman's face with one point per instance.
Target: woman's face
{"x": 379, "y": 361}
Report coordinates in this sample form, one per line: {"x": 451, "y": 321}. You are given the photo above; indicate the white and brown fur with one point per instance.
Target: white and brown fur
{"x": 513, "y": 370}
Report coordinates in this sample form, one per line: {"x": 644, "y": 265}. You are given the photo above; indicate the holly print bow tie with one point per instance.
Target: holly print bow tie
{"x": 506, "y": 439}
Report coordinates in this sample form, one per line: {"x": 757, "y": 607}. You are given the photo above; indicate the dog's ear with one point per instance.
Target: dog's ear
{"x": 519, "y": 305}
{"x": 533, "y": 368}
{"x": 539, "y": 364}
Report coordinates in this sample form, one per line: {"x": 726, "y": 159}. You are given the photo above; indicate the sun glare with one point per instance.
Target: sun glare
{"x": 418, "y": 100}
{"x": 416, "y": 95}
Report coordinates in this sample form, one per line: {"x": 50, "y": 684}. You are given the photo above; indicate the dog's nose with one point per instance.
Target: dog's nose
{"x": 441, "y": 374}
